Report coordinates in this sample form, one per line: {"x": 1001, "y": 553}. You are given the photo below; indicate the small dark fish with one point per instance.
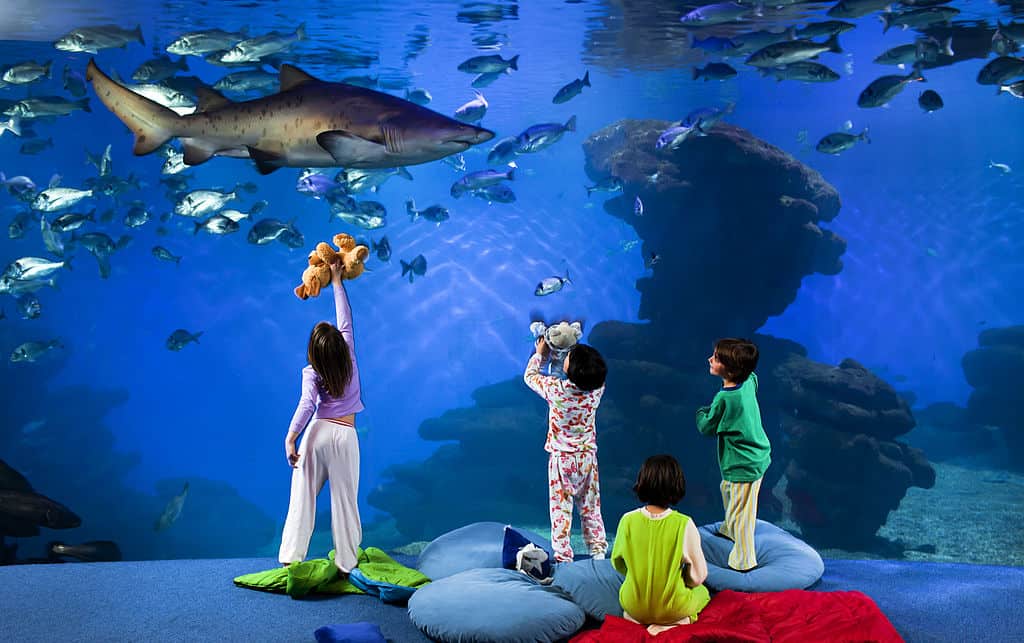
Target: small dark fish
{"x": 881, "y": 90}
{"x": 180, "y": 338}
{"x": 435, "y": 213}
{"x": 499, "y": 193}
{"x": 837, "y": 142}
{"x": 999, "y": 70}
{"x": 93, "y": 551}
{"x": 493, "y": 64}
{"x": 609, "y": 184}
{"x": 29, "y": 306}
{"x": 571, "y": 90}
{"x": 382, "y": 248}
{"x": 36, "y": 146}
{"x": 172, "y": 511}
{"x": 164, "y": 254}
{"x": 714, "y": 71}
{"x": 930, "y": 101}
{"x": 417, "y": 266}
{"x": 74, "y": 82}
{"x": 654, "y": 259}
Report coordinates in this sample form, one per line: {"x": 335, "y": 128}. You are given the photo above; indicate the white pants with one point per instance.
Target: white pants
{"x": 329, "y": 451}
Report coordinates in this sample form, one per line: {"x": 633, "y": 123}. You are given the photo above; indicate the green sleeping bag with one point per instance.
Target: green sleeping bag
{"x": 320, "y": 576}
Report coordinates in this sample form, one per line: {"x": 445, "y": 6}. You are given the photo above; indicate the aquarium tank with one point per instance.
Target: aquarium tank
{"x": 839, "y": 183}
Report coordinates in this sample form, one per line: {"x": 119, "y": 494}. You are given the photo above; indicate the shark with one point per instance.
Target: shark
{"x": 307, "y": 123}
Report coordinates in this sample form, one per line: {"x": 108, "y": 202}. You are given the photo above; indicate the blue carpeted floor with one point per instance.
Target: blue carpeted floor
{"x": 195, "y": 600}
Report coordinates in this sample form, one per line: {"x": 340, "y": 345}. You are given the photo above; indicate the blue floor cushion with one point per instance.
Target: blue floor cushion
{"x": 593, "y": 584}
{"x": 783, "y": 561}
{"x": 494, "y": 604}
{"x": 476, "y": 545}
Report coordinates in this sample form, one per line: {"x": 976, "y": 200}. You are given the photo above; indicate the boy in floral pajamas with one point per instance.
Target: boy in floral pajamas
{"x": 572, "y": 445}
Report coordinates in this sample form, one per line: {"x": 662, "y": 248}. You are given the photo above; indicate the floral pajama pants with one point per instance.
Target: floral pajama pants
{"x": 572, "y": 477}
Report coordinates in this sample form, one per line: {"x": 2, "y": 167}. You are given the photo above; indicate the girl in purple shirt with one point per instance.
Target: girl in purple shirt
{"x": 330, "y": 448}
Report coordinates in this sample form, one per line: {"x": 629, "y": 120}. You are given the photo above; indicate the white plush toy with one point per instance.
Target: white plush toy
{"x": 560, "y": 337}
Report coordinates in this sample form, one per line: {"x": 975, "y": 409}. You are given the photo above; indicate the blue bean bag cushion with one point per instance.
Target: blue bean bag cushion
{"x": 350, "y": 633}
{"x": 593, "y": 584}
{"x": 491, "y": 604}
{"x": 783, "y": 561}
{"x": 479, "y": 544}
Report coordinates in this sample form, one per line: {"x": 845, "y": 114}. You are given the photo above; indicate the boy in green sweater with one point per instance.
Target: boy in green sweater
{"x": 744, "y": 452}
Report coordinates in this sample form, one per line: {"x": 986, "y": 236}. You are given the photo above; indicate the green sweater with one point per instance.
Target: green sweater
{"x": 744, "y": 452}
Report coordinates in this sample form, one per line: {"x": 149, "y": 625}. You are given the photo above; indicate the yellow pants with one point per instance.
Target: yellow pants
{"x": 740, "y": 500}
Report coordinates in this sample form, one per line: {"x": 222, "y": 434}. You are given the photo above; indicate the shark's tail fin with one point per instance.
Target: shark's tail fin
{"x": 152, "y": 123}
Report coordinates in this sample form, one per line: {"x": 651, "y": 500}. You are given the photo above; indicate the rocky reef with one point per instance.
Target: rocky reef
{"x": 846, "y": 470}
{"x": 57, "y": 442}
{"x": 992, "y": 370}
{"x": 737, "y": 224}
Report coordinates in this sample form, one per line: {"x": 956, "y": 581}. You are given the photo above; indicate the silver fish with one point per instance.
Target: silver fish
{"x": 217, "y": 224}
{"x": 472, "y": 111}
{"x": 253, "y": 49}
{"x": 203, "y": 42}
{"x": 92, "y": 39}
{"x": 54, "y": 199}
{"x": 30, "y": 268}
{"x": 551, "y": 285}
{"x": 198, "y": 203}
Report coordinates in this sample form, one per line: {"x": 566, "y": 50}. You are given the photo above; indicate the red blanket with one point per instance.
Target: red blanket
{"x": 795, "y": 616}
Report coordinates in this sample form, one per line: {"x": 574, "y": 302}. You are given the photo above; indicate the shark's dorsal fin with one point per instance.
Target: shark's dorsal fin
{"x": 209, "y": 100}
{"x": 291, "y": 77}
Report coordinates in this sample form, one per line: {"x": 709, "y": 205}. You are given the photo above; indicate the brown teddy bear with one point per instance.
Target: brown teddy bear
{"x": 317, "y": 275}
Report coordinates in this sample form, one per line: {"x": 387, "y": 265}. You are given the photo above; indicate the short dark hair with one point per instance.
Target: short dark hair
{"x": 660, "y": 481}
{"x": 587, "y": 369}
{"x": 738, "y": 356}
{"x": 329, "y": 355}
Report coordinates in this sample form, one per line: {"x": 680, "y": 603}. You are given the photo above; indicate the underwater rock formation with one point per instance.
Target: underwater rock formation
{"x": 734, "y": 219}
{"x": 736, "y": 223}
{"x": 61, "y": 442}
{"x": 846, "y": 470}
{"x": 992, "y": 370}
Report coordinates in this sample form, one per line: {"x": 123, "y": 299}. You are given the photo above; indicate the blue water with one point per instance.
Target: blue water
{"x": 933, "y": 237}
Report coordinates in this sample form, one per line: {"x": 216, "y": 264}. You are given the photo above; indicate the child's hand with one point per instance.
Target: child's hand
{"x": 542, "y": 347}
{"x": 337, "y": 268}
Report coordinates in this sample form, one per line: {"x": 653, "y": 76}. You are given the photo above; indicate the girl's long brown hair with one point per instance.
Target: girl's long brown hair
{"x": 329, "y": 355}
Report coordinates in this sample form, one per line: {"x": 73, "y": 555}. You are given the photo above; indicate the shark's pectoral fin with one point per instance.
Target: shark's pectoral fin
{"x": 347, "y": 148}
{"x": 266, "y": 162}
{"x": 291, "y": 77}
{"x": 209, "y": 99}
{"x": 194, "y": 154}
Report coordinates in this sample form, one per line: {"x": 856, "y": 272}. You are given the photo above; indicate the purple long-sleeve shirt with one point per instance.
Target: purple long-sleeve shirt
{"x": 314, "y": 396}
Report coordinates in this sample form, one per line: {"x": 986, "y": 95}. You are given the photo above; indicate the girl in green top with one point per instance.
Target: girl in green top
{"x": 659, "y": 552}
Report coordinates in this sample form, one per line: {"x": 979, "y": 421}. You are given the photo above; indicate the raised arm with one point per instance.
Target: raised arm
{"x": 540, "y": 383}
{"x": 341, "y": 305}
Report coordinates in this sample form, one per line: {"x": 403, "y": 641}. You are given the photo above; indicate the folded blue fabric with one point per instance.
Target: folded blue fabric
{"x": 387, "y": 592}
{"x": 350, "y": 633}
